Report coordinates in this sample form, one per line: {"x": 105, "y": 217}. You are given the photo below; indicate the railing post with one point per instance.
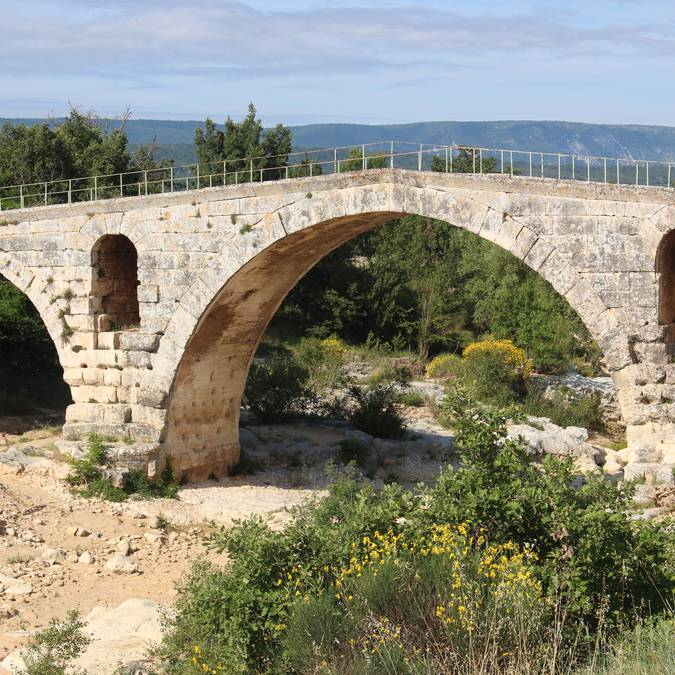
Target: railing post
{"x": 95, "y": 188}
{"x": 70, "y": 191}
{"x": 199, "y": 184}
{"x": 559, "y": 165}
{"x": 647, "y": 176}
{"x": 530, "y": 158}
{"x": 480, "y": 159}
{"x": 121, "y": 189}
{"x": 501, "y": 170}
{"x": 145, "y": 180}
{"x": 637, "y": 173}
{"x": 363, "y": 157}
{"x": 511, "y": 161}
{"x": 473, "y": 156}
{"x": 588, "y": 169}
{"x": 391, "y": 155}
{"x": 446, "y": 160}
{"x": 542, "y": 164}
{"x": 617, "y": 172}
{"x": 251, "y": 171}
{"x": 286, "y": 171}
{"x": 605, "y": 170}
{"x": 45, "y": 193}
{"x": 419, "y": 158}
{"x": 21, "y": 195}
{"x": 573, "y": 178}
{"x": 669, "y": 167}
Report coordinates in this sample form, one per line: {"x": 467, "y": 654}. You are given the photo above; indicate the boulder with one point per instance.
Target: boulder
{"x": 545, "y": 438}
{"x": 122, "y": 564}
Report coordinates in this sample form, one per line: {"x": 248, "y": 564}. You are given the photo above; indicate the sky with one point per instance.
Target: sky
{"x": 304, "y": 61}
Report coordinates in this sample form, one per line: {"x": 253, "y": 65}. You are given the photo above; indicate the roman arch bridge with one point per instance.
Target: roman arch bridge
{"x": 156, "y": 302}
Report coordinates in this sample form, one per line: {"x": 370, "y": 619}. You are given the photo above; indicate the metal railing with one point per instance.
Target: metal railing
{"x": 390, "y": 154}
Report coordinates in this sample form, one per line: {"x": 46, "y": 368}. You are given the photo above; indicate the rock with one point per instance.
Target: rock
{"x": 612, "y": 468}
{"x": 123, "y": 547}
{"x": 122, "y": 564}
{"x": 651, "y": 513}
{"x": 53, "y": 556}
{"x": 119, "y": 636}
{"x": 72, "y": 531}
{"x": 545, "y": 438}
{"x": 83, "y": 532}
{"x": 86, "y": 558}
{"x": 153, "y": 537}
{"x": 155, "y": 523}
{"x": 664, "y": 496}
{"x": 71, "y": 557}
{"x": 19, "y": 588}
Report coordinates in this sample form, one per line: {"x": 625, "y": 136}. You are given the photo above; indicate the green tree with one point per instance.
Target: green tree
{"x": 245, "y": 146}
{"x": 354, "y": 161}
{"x": 468, "y": 160}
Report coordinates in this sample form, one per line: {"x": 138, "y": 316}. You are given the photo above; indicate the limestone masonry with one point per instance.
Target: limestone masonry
{"x": 156, "y": 304}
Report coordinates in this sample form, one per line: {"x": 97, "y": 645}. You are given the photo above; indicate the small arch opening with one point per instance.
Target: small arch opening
{"x": 665, "y": 266}
{"x": 115, "y": 282}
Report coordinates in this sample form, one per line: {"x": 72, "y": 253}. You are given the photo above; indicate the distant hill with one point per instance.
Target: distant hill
{"x": 175, "y": 138}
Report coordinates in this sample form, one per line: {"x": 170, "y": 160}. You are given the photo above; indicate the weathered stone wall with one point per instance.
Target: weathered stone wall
{"x": 214, "y": 265}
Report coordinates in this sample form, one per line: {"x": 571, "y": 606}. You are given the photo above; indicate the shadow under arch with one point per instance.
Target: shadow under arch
{"x": 202, "y": 431}
{"x": 31, "y": 375}
{"x": 665, "y": 267}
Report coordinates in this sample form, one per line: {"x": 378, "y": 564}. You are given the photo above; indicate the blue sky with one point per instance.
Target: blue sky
{"x": 304, "y": 61}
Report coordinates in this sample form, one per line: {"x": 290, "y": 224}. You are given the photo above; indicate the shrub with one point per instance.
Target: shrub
{"x": 88, "y": 478}
{"x": 323, "y": 360}
{"x": 277, "y": 390}
{"x": 52, "y": 650}
{"x": 566, "y": 409}
{"x": 377, "y": 411}
{"x": 495, "y": 371}
{"x": 411, "y": 398}
{"x": 501, "y": 563}
{"x": 444, "y": 367}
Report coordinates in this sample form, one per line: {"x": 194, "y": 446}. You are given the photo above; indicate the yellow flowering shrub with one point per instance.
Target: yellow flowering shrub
{"x": 510, "y": 355}
{"x": 334, "y": 348}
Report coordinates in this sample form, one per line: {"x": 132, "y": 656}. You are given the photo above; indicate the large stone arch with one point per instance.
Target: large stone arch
{"x": 212, "y": 338}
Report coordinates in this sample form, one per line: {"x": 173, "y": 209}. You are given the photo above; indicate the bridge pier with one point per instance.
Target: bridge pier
{"x": 212, "y": 266}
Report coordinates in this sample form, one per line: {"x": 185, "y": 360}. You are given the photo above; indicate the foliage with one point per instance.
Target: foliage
{"x": 444, "y": 367}
{"x": 502, "y": 563}
{"x": 434, "y": 288}
{"x": 245, "y": 146}
{"x": 377, "y": 411}
{"x": 355, "y": 161}
{"x": 648, "y": 648}
{"x": 88, "y": 477}
{"x": 52, "y": 650}
{"x": 411, "y": 398}
{"x": 468, "y": 160}
{"x": 277, "y": 389}
{"x": 323, "y": 359}
{"x": 495, "y": 370}
{"x": 565, "y": 409}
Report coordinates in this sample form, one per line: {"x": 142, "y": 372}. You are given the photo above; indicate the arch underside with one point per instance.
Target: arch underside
{"x": 202, "y": 433}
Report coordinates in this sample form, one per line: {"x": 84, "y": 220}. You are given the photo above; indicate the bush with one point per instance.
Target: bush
{"x": 377, "y": 411}
{"x": 566, "y": 409}
{"x": 501, "y": 563}
{"x": 495, "y": 371}
{"x": 323, "y": 360}
{"x": 88, "y": 477}
{"x": 411, "y": 398}
{"x": 277, "y": 389}
{"x": 52, "y": 650}
{"x": 444, "y": 367}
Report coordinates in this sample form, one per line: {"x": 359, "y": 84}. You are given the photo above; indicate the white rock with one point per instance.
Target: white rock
{"x": 86, "y": 558}
{"x": 119, "y": 635}
{"x": 19, "y": 588}
{"x": 123, "y": 547}
{"x": 53, "y": 556}
{"x": 122, "y": 564}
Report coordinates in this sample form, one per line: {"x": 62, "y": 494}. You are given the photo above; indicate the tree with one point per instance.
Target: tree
{"x": 245, "y": 146}
{"x": 469, "y": 160}
{"x": 354, "y": 161}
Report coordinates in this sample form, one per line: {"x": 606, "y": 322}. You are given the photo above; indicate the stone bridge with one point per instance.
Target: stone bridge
{"x": 156, "y": 304}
